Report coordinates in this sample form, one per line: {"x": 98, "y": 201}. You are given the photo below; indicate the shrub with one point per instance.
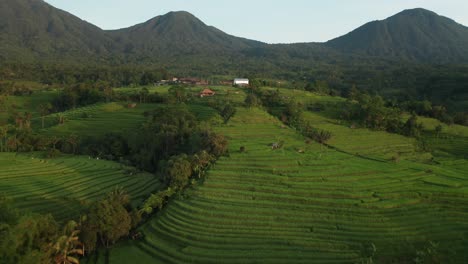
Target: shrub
{"x": 319, "y": 135}
{"x": 53, "y": 153}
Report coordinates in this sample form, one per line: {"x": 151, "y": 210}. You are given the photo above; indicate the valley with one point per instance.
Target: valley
{"x": 171, "y": 141}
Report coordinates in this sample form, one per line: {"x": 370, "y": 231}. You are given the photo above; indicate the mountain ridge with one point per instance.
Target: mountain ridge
{"x": 179, "y": 32}
{"x": 414, "y": 34}
{"x": 33, "y": 30}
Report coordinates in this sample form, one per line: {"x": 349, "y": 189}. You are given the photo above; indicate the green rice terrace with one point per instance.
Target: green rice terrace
{"x": 172, "y": 142}
{"x": 306, "y": 203}
{"x": 102, "y": 118}
{"x": 276, "y": 197}
{"x": 63, "y": 186}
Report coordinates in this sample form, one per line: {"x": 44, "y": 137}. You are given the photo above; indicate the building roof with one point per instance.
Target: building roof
{"x": 207, "y": 91}
{"x": 241, "y": 80}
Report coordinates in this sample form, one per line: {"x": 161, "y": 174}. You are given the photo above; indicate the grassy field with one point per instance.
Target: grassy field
{"x": 303, "y": 203}
{"x": 26, "y": 103}
{"x": 63, "y": 186}
{"x": 320, "y": 206}
{"x": 451, "y": 143}
{"x": 362, "y": 141}
{"x": 99, "y": 119}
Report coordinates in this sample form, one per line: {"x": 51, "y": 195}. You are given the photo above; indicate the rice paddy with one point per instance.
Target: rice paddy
{"x": 64, "y": 186}
{"x": 305, "y": 203}
{"x": 301, "y": 203}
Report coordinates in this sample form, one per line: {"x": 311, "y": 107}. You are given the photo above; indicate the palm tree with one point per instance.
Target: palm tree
{"x": 61, "y": 119}
{"x": 143, "y": 94}
{"x": 68, "y": 245}
{"x": 54, "y": 140}
{"x": 44, "y": 109}
{"x": 3, "y": 134}
{"x": 119, "y": 195}
{"x": 27, "y": 120}
{"x": 108, "y": 92}
{"x": 19, "y": 120}
{"x": 12, "y": 142}
{"x": 73, "y": 141}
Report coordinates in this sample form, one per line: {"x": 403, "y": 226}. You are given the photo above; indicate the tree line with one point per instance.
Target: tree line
{"x": 33, "y": 238}
{"x": 171, "y": 143}
{"x": 57, "y": 74}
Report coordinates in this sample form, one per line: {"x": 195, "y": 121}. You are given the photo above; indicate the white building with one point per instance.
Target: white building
{"x": 241, "y": 82}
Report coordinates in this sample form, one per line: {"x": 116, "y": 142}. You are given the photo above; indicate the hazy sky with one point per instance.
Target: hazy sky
{"x": 272, "y": 21}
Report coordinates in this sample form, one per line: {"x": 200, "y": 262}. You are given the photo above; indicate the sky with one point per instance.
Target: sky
{"x": 271, "y": 21}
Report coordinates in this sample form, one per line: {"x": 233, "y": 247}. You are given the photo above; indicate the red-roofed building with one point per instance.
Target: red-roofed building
{"x": 207, "y": 92}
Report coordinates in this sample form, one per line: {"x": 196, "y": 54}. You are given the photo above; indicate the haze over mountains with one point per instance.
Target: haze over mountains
{"x": 33, "y": 30}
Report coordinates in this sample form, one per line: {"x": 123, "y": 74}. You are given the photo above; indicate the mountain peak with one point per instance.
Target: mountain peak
{"x": 179, "y": 18}
{"x": 417, "y": 11}
{"x": 179, "y": 32}
{"x": 179, "y": 14}
{"x": 414, "y": 34}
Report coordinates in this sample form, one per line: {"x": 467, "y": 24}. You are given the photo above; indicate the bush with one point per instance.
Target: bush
{"x": 319, "y": 135}
{"x": 53, "y": 153}
{"x": 251, "y": 100}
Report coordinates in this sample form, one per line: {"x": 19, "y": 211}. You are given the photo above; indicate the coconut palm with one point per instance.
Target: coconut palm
{"x": 44, "y": 109}
{"x": 27, "y": 120}
{"x": 68, "y": 245}
{"x": 54, "y": 141}
{"x": 3, "y": 134}
{"x": 12, "y": 142}
{"x": 73, "y": 141}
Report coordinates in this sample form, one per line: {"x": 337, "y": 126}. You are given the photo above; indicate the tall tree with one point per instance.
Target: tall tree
{"x": 44, "y": 109}
{"x": 68, "y": 246}
{"x": 227, "y": 112}
{"x": 3, "y": 134}
{"x": 110, "y": 218}
{"x": 73, "y": 141}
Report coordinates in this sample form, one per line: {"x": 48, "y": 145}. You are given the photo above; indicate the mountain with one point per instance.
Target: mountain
{"x": 179, "y": 33}
{"x": 34, "y": 30}
{"x": 415, "y": 34}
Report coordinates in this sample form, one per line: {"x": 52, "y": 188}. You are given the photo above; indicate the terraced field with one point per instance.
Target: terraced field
{"x": 99, "y": 119}
{"x": 319, "y": 206}
{"x": 451, "y": 143}
{"x": 63, "y": 186}
{"x": 25, "y": 103}
{"x": 364, "y": 142}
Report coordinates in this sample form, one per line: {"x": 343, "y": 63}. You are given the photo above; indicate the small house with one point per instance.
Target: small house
{"x": 206, "y": 93}
{"x": 241, "y": 82}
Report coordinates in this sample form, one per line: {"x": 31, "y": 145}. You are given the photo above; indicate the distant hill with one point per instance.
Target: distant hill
{"x": 179, "y": 33}
{"x": 415, "y": 34}
{"x": 34, "y": 30}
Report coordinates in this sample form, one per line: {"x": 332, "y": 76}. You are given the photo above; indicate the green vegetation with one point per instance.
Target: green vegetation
{"x": 416, "y": 61}
{"x": 64, "y": 186}
{"x": 320, "y": 178}
{"x": 174, "y": 142}
{"x": 389, "y": 38}
{"x": 350, "y": 151}
{"x": 97, "y": 119}
{"x": 305, "y": 203}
